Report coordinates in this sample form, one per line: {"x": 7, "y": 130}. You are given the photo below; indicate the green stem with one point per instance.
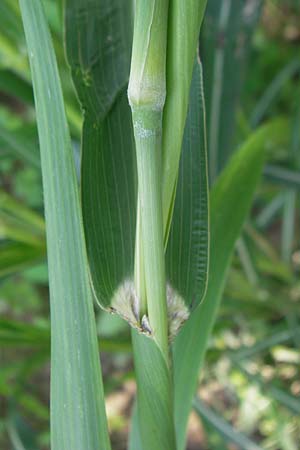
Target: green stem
{"x": 148, "y": 150}
{"x": 147, "y": 93}
{"x": 139, "y": 269}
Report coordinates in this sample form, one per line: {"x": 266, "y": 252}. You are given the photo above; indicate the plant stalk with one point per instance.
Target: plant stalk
{"x": 139, "y": 269}
{"x": 146, "y": 93}
{"x": 149, "y": 179}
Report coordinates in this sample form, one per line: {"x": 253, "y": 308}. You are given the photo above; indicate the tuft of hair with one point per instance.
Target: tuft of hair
{"x": 146, "y": 328}
{"x": 178, "y": 312}
{"x": 125, "y": 302}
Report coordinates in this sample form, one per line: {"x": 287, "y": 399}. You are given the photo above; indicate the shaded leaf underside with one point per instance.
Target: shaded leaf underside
{"x": 188, "y": 245}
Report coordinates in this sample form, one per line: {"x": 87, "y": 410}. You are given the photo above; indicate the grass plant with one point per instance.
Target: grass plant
{"x": 139, "y": 235}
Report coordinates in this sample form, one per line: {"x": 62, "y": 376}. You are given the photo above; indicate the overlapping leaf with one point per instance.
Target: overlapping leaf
{"x": 188, "y": 245}
{"x": 98, "y": 41}
{"x": 98, "y": 38}
{"x": 185, "y": 18}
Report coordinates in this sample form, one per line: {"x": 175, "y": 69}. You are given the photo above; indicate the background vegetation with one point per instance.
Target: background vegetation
{"x": 251, "y": 382}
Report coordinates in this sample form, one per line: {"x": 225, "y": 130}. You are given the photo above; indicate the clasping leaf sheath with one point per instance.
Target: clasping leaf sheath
{"x": 146, "y": 94}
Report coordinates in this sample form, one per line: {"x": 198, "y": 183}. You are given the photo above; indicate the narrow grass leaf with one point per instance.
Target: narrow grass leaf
{"x": 282, "y": 176}
{"x": 20, "y": 334}
{"x": 12, "y": 38}
{"x": 223, "y": 428}
{"x": 273, "y": 90}
{"x": 16, "y": 257}
{"x": 16, "y": 209}
{"x": 288, "y": 224}
{"x": 270, "y": 211}
{"x": 225, "y": 43}
{"x": 284, "y": 398}
{"x": 14, "y": 85}
{"x": 266, "y": 343}
{"x": 21, "y": 435}
{"x": 11, "y": 25}
{"x": 14, "y": 230}
{"x": 21, "y": 141}
{"x": 76, "y": 383}
{"x": 185, "y": 18}
{"x": 226, "y": 222}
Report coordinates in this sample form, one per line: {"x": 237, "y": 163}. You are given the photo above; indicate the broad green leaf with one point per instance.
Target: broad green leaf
{"x": 225, "y": 43}
{"x": 185, "y": 19}
{"x": 224, "y": 428}
{"x": 188, "y": 244}
{"x": 76, "y": 383}
{"x": 109, "y": 199}
{"x": 98, "y": 42}
{"x": 100, "y": 69}
{"x": 226, "y": 222}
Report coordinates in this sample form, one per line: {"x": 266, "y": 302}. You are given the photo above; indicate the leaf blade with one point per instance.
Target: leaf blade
{"x": 76, "y": 384}
{"x": 187, "y": 252}
{"x": 230, "y": 190}
{"x": 225, "y": 44}
{"x": 154, "y": 397}
{"x": 108, "y": 157}
{"x": 228, "y": 433}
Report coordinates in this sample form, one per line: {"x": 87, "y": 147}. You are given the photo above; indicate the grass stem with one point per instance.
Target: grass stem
{"x": 147, "y": 93}
{"x": 148, "y": 146}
